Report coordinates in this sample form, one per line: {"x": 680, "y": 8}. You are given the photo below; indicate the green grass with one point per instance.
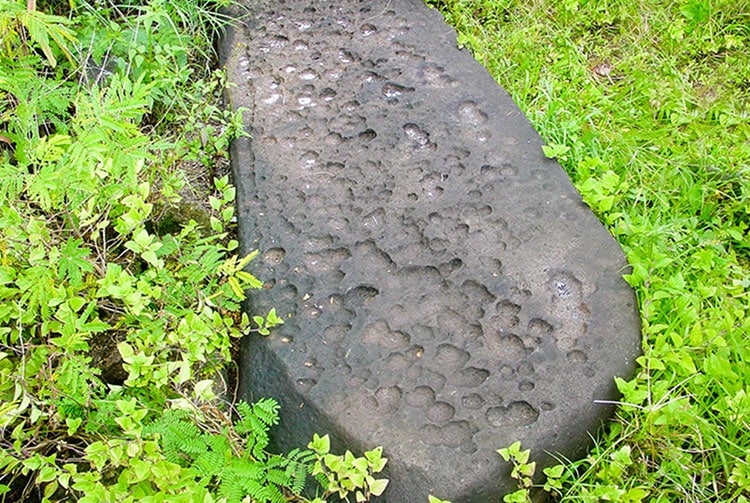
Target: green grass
{"x": 646, "y": 102}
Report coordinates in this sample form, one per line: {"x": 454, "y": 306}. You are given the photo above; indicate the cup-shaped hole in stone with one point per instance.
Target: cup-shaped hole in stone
{"x": 525, "y": 368}
{"x": 506, "y": 372}
{"x": 577, "y": 356}
{"x": 328, "y": 94}
{"x": 392, "y": 90}
{"x": 345, "y": 56}
{"x": 388, "y": 398}
{"x": 274, "y": 256}
{"x": 516, "y": 414}
{"x": 367, "y": 29}
{"x": 470, "y": 377}
{"x": 360, "y": 295}
{"x": 421, "y": 396}
{"x": 507, "y": 314}
{"x": 415, "y": 134}
{"x": 525, "y": 386}
{"x": 367, "y": 135}
{"x": 477, "y": 292}
{"x": 493, "y": 265}
{"x": 309, "y": 158}
{"x": 380, "y": 334}
{"x": 308, "y": 74}
{"x": 440, "y": 412}
{"x": 472, "y": 401}
{"x": 305, "y": 385}
{"x": 508, "y": 347}
{"x": 539, "y": 328}
{"x": 397, "y": 362}
{"x": 470, "y": 113}
{"x": 456, "y": 434}
{"x": 483, "y": 136}
{"x": 334, "y": 139}
{"x": 450, "y": 356}
{"x": 335, "y": 333}
{"x": 415, "y": 353}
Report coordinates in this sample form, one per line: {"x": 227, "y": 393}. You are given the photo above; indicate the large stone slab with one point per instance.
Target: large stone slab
{"x": 445, "y": 289}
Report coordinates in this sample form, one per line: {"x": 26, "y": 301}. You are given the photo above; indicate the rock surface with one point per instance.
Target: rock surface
{"x": 445, "y": 290}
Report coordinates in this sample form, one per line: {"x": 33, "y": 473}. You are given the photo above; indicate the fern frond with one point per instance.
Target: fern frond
{"x": 210, "y": 463}
{"x": 278, "y": 477}
{"x": 258, "y": 450}
{"x": 299, "y": 477}
{"x": 217, "y": 443}
{"x": 322, "y": 480}
{"x": 267, "y": 410}
{"x": 301, "y": 456}
{"x": 246, "y": 469}
{"x": 256, "y": 490}
{"x": 275, "y": 495}
{"x": 180, "y": 439}
{"x": 245, "y": 411}
{"x": 276, "y": 461}
{"x": 231, "y": 489}
{"x": 252, "y": 426}
{"x": 173, "y": 454}
{"x": 255, "y": 428}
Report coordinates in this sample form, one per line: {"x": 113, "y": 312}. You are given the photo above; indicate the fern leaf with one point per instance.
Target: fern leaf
{"x": 217, "y": 443}
{"x": 180, "y": 439}
{"x": 275, "y": 495}
{"x": 246, "y": 469}
{"x": 256, "y": 490}
{"x": 245, "y": 411}
{"x": 301, "y": 456}
{"x": 267, "y": 410}
{"x": 210, "y": 463}
{"x": 276, "y": 461}
{"x": 278, "y": 477}
{"x": 231, "y": 488}
{"x": 261, "y": 442}
{"x": 299, "y": 478}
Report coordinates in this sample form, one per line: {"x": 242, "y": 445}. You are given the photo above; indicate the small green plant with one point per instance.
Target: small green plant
{"x": 232, "y": 457}
{"x": 522, "y": 472}
{"x": 556, "y": 151}
{"x": 346, "y": 475}
{"x": 608, "y": 488}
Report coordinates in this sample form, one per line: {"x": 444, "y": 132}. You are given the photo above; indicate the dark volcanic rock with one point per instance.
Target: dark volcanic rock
{"x": 447, "y": 291}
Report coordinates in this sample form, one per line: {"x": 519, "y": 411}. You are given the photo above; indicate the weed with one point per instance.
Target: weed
{"x": 343, "y": 475}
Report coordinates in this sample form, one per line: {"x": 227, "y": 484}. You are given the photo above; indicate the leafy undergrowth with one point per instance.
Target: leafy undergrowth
{"x": 120, "y": 286}
{"x": 645, "y": 104}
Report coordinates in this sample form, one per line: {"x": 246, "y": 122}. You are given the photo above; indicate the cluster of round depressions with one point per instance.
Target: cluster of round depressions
{"x": 387, "y": 212}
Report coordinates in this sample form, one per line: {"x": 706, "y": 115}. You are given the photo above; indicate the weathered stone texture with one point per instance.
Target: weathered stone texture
{"x": 447, "y": 291}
